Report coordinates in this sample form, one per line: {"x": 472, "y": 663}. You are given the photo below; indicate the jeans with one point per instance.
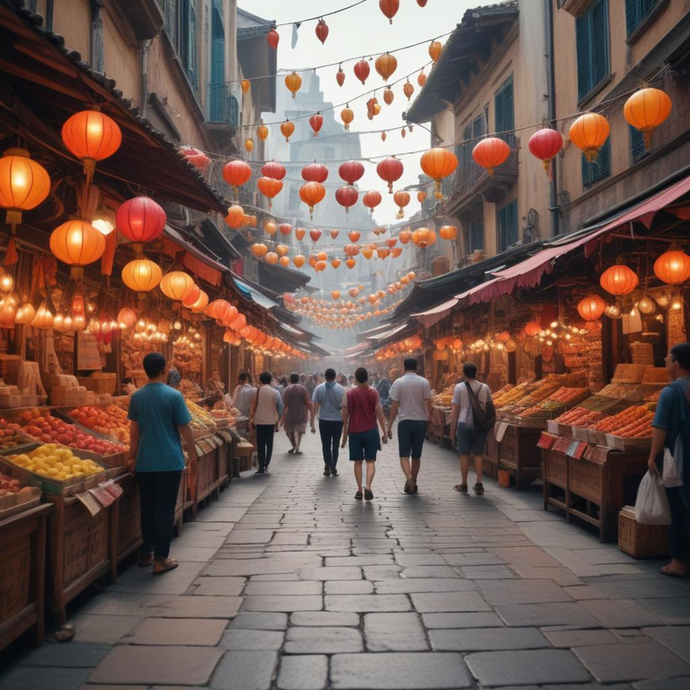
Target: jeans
{"x": 330, "y": 441}
{"x": 264, "y": 443}
{"x": 679, "y": 531}
{"x": 157, "y": 498}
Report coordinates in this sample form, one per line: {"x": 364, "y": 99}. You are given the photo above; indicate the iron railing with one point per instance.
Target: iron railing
{"x": 221, "y": 105}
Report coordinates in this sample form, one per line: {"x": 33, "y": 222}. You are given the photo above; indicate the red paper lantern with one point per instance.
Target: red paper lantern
{"x": 371, "y": 199}
{"x": 351, "y": 171}
{"x": 273, "y": 169}
{"x": 285, "y": 228}
{"x": 545, "y": 145}
{"x": 390, "y": 170}
{"x": 491, "y": 152}
{"x": 315, "y": 172}
{"x": 316, "y": 122}
{"x": 619, "y": 280}
{"x": 315, "y": 235}
{"x": 321, "y": 31}
{"x": 533, "y": 328}
{"x": 236, "y": 173}
{"x": 347, "y": 197}
{"x": 591, "y": 308}
{"x": 273, "y": 37}
{"x": 340, "y": 76}
{"x": 389, "y": 8}
{"x": 140, "y": 220}
{"x": 361, "y": 70}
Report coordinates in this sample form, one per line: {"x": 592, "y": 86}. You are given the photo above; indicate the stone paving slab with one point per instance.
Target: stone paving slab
{"x": 322, "y": 640}
{"x": 252, "y": 640}
{"x": 75, "y": 655}
{"x": 245, "y": 671}
{"x": 38, "y": 678}
{"x": 185, "y": 631}
{"x": 488, "y": 639}
{"x": 306, "y": 672}
{"x": 394, "y": 632}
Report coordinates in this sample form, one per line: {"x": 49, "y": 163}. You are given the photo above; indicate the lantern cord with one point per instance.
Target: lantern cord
{"x": 340, "y": 62}
{"x": 321, "y": 16}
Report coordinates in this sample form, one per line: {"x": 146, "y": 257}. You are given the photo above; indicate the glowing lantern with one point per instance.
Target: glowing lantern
{"x": 316, "y": 122}
{"x": 177, "y": 285}
{"x": 249, "y": 144}
{"x": 44, "y": 317}
{"x": 321, "y": 31}
{"x": 300, "y": 233}
{"x": 361, "y": 70}
{"x": 421, "y": 79}
{"x": 435, "y": 48}
{"x": 336, "y": 263}
{"x": 401, "y": 200}
{"x": 386, "y": 65}
{"x": 390, "y": 170}
{"x": 273, "y": 169}
{"x": 91, "y": 136}
{"x": 24, "y": 184}
{"x": 141, "y": 275}
{"x": 347, "y": 116}
{"x": 239, "y": 323}
{"x": 389, "y": 8}
{"x": 448, "y": 232}
{"x": 262, "y": 131}
{"x": 421, "y": 196}
{"x": 388, "y": 97}
{"x": 347, "y": 197}
{"x": 287, "y": 128}
{"x": 293, "y": 81}
{"x": 192, "y": 297}
{"x": 421, "y": 237}
{"x": 491, "y": 152}
{"x": 589, "y": 133}
{"x": 350, "y": 263}
{"x": 315, "y": 172}
{"x": 25, "y": 314}
{"x": 199, "y": 306}
{"x": 371, "y": 200}
{"x": 77, "y": 243}
{"x": 236, "y": 173}
{"x": 311, "y": 194}
{"x": 273, "y": 37}
{"x": 405, "y": 236}
{"x": 545, "y": 145}
{"x": 259, "y": 250}
{"x": 591, "y": 308}
{"x": 619, "y": 280}
{"x": 533, "y": 328}
{"x": 235, "y": 217}
{"x": 673, "y": 266}
{"x": 126, "y": 318}
{"x": 438, "y": 163}
{"x": 218, "y": 309}
{"x": 140, "y": 220}
{"x": 269, "y": 188}
{"x": 299, "y": 260}
{"x": 271, "y": 258}
{"x": 285, "y": 228}
{"x": 645, "y": 110}
{"x": 408, "y": 90}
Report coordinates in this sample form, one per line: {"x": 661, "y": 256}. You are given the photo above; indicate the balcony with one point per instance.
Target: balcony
{"x": 471, "y": 184}
{"x": 222, "y": 114}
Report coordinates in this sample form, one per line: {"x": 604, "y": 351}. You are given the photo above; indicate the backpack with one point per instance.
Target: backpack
{"x": 484, "y": 418}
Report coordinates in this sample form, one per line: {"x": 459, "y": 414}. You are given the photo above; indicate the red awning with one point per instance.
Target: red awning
{"x": 431, "y": 316}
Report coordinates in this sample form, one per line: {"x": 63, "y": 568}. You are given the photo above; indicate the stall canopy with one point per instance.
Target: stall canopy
{"x": 255, "y": 294}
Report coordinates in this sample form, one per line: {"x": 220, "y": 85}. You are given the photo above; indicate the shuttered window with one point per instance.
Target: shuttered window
{"x": 599, "y": 169}
{"x": 170, "y": 10}
{"x": 637, "y": 147}
{"x": 476, "y": 235}
{"x": 636, "y": 11}
{"x": 507, "y": 226}
{"x": 592, "y": 41}
{"x": 505, "y": 111}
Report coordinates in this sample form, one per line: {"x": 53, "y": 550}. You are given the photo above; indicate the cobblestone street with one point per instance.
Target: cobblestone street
{"x": 288, "y": 582}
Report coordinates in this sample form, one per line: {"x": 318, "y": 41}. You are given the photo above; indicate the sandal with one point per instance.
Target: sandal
{"x": 460, "y": 488}
{"x": 478, "y": 489}
{"x": 670, "y": 572}
{"x": 291, "y": 451}
{"x": 359, "y": 496}
{"x": 368, "y": 494}
{"x": 163, "y": 565}
{"x": 146, "y": 560}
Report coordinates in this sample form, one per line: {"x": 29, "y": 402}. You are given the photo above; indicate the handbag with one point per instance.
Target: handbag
{"x": 483, "y": 419}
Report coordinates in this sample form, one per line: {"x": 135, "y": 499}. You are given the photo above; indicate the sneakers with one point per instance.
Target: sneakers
{"x": 327, "y": 471}
{"x": 478, "y": 489}
{"x": 146, "y": 560}
{"x": 261, "y": 470}
{"x": 334, "y": 472}
{"x": 359, "y": 496}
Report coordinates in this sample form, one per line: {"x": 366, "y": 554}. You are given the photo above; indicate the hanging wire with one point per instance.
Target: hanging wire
{"x": 321, "y": 16}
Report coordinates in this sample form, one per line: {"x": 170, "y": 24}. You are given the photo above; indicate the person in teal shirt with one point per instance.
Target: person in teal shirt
{"x": 159, "y": 417}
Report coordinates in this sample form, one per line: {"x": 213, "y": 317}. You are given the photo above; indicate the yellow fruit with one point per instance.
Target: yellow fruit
{"x": 43, "y": 473}
{"x": 52, "y": 472}
{"x": 21, "y": 458}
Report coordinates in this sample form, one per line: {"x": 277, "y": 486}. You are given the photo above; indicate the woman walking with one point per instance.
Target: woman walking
{"x": 267, "y": 407}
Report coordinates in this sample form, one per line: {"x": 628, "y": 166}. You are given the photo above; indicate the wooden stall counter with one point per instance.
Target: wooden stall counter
{"x": 518, "y": 453}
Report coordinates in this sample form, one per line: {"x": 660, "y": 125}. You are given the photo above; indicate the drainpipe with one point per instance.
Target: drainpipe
{"x": 551, "y": 107}
{"x": 144, "y": 78}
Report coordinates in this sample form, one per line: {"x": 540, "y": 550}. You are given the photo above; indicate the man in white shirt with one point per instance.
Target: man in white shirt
{"x": 244, "y": 394}
{"x": 471, "y": 441}
{"x": 411, "y": 402}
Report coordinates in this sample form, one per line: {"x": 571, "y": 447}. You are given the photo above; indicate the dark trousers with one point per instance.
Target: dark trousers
{"x": 330, "y": 441}
{"x": 157, "y": 498}
{"x": 264, "y": 443}
{"x": 679, "y": 531}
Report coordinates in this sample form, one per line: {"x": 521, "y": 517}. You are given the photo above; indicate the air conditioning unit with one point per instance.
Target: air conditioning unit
{"x": 575, "y": 7}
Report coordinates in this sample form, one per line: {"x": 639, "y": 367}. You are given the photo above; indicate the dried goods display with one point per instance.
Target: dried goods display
{"x": 513, "y": 395}
{"x": 555, "y": 403}
{"x": 655, "y": 375}
{"x": 635, "y": 422}
{"x": 202, "y": 422}
{"x": 444, "y": 398}
{"x": 580, "y": 417}
{"x": 642, "y": 353}
{"x": 629, "y": 373}
{"x": 111, "y": 421}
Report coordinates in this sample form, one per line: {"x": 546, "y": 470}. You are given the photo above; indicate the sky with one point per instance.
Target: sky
{"x": 361, "y": 32}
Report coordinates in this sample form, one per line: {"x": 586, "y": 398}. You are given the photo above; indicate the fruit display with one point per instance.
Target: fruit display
{"x": 11, "y": 436}
{"x": 581, "y": 417}
{"x": 44, "y": 427}
{"x": 635, "y": 422}
{"x": 111, "y": 421}
{"x": 555, "y": 403}
{"x": 57, "y": 463}
{"x": 502, "y": 399}
{"x": 224, "y": 417}
{"x": 444, "y": 398}
{"x": 202, "y": 422}
{"x": 634, "y": 392}
{"x": 9, "y": 485}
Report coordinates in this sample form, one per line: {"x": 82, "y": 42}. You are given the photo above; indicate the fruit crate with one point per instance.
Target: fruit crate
{"x": 628, "y": 444}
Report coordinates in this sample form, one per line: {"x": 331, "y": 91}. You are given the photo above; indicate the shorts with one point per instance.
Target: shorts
{"x": 411, "y": 435}
{"x": 364, "y": 445}
{"x": 471, "y": 440}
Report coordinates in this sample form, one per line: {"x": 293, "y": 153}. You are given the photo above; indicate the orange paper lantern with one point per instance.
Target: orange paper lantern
{"x": 235, "y": 217}
{"x": 24, "y": 184}
{"x": 299, "y": 260}
{"x": 141, "y": 275}
{"x": 77, "y": 244}
{"x": 448, "y": 232}
{"x": 533, "y": 328}
{"x": 589, "y": 133}
{"x": 591, "y": 308}
{"x": 673, "y": 266}
{"x": 619, "y": 280}
{"x": 438, "y": 163}
{"x": 177, "y": 285}
{"x": 645, "y": 110}
{"x": 386, "y": 65}
{"x": 293, "y": 81}
{"x": 287, "y": 128}
{"x": 311, "y": 194}
{"x": 491, "y": 152}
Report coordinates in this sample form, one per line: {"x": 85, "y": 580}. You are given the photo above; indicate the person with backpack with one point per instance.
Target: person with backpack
{"x": 473, "y": 417}
{"x": 326, "y": 404}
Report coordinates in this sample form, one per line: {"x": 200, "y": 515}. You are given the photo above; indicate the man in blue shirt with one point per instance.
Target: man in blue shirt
{"x": 672, "y": 419}
{"x": 159, "y": 416}
{"x": 327, "y": 398}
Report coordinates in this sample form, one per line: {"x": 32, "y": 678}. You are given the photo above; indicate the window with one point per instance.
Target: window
{"x": 636, "y": 11}
{"x": 507, "y": 226}
{"x": 592, "y": 39}
{"x": 473, "y": 131}
{"x": 505, "y": 113}
{"x": 598, "y": 169}
{"x": 637, "y": 147}
{"x": 476, "y": 235}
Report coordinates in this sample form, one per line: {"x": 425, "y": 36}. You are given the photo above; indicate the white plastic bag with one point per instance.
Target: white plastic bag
{"x": 673, "y": 465}
{"x": 651, "y": 505}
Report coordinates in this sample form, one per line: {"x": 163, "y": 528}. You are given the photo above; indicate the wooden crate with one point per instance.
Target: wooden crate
{"x": 518, "y": 453}
{"x": 22, "y": 574}
{"x": 641, "y": 541}
{"x": 127, "y": 519}
{"x": 224, "y": 470}
{"x": 555, "y": 468}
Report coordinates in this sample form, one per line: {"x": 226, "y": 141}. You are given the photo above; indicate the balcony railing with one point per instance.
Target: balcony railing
{"x": 221, "y": 106}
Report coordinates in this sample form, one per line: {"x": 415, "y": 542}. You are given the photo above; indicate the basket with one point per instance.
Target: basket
{"x": 100, "y": 383}
{"x": 641, "y": 541}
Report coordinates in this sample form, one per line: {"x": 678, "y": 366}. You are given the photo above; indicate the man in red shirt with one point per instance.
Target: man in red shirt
{"x": 361, "y": 410}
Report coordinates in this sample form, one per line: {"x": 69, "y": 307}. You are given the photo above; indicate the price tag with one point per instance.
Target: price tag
{"x": 580, "y": 450}
{"x": 545, "y": 440}
{"x": 572, "y": 448}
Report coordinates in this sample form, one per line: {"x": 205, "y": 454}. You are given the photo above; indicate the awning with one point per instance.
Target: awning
{"x": 194, "y": 260}
{"x": 387, "y": 334}
{"x": 255, "y": 295}
{"x": 431, "y": 316}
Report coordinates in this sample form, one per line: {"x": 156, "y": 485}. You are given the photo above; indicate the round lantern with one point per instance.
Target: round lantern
{"x": 235, "y": 217}
{"x": 25, "y": 313}
{"x": 127, "y": 317}
{"x": 408, "y": 90}
{"x": 141, "y": 275}
{"x": 371, "y": 200}
{"x": 438, "y": 163}
{"x": 218, "y": 309}
{"x": 347, "y": 116}
{"x": 311, "y": 194}
{"x": 390, "y": 170}
{"x": 285, "y": 228}
{"x": 619, "y": 280}
{"x": 351, "y": 171}
{"x": 673, "y": 266}
{"x": 545, "y": 145}
{"x": 448, "y": 232}
{"x": 405, "y": 236}
{"x": 389, "y": 8}
{"x": 287, "y": 129}
{"x": 299, "y": 260}
{"x": 435, "y": 48}
{"x": 401, "y": 199}
{"x": 645, "y": 110}
{"x": 270, "y": 228}
{"x": 589, "y": 133}
{"x": 91, "y": 136}
{"x": 396, "y": 252}
{"x": 284, "y": 261}
{"x": 421, "y": 196}
{"x": 361, "y": 70}
{"x": 262, "y": 131}
{"x": 239, "y": 323}
{"x": 386, "y": 65}
{"x": 201, "y": 304}
{"x": 24, "y": 184}
{"x": 533, "y": 328}
{"x": 269, "y": 188}
{"x": 274, "y": 169}
{"x": 347, "y": 197}
{"x": 236, "y": 173}
{"x": 491, "y": 152}
{"x": 293, "y": 82}
{"x": 77, "y": 243}
{"x": 176, "y": 285}
{"x": 350, "y": 263}
{"x": 44, "y": 317}
{"x": 299, "y": 232}
{"x": 591, "y": 308}
{"x": 336, "y": 263}
{"x": 316, "y": 122}
{"x": 282, "y": 249}
{"x": 421, "y": 237}
{"x": 140, "y": 220}
{"x": 315, "y": 172}
{"x": 192, "y": 297}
